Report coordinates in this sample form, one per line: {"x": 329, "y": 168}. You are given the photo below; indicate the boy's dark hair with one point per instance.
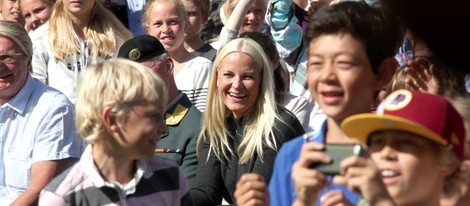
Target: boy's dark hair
{"x": 269, "y": 48}
{"x": 379, "y": 32}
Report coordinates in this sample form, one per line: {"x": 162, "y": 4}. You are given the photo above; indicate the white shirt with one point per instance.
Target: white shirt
{"x": 35, "y": 125}
{"x": 301, "y": 107}
{"x": 35, "y": 34}
{"x": 88, "y": 165}
{"x": 193, "y": 80}
{"x": 63, "y": 75}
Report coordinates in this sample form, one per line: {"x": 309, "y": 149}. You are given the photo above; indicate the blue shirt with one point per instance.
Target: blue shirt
{"x": 281, "y": 185}
{"x": 37, "y": 124}
{"x": 134, "y": 16}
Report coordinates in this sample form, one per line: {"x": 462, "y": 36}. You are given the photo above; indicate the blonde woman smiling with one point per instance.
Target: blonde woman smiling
{"x": 244, "y": 127}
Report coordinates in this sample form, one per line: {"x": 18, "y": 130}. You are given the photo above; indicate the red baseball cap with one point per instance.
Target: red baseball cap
{"x": 424, "y": 114}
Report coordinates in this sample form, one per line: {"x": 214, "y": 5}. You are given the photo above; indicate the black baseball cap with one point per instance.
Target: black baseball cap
{"x": 141, "y": 48}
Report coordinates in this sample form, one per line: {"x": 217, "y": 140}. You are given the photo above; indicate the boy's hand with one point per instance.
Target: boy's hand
{"x": 420, "y": 76}
{"x": 309, "y": 182}
{"x": 334, "y": 198}
{"x": 360, "y": 175}
{"x": 252, "y": 190}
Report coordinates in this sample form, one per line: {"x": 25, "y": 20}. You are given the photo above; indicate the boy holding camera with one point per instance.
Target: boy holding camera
{"x": 416, "y": 142}
{"x": 350, "y": 57}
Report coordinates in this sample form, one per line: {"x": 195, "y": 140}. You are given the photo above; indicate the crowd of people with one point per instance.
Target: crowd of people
{"x": 124, "y": 102}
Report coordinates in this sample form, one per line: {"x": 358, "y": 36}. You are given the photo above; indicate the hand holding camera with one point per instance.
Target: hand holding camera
{"x": 308, "y": 182}
{"x": 337, "y": 152}
{"x": 325, "y": 160}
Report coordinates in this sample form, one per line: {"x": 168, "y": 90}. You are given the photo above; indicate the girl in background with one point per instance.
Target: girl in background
{"x": 10, "y": 11}
{"x": 36, "y": 12}
{"x": 166, "y": 20}
{"x": 242, "y": 16}
{"x": 78, "y": 35}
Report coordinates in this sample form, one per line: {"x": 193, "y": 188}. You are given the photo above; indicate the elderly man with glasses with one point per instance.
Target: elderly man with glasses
{"x": 38, "y": 139}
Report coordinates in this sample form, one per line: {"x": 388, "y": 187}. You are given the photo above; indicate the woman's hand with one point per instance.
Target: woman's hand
{"x": 252, "y": 190}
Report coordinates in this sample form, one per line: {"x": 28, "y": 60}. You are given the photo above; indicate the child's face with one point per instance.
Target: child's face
{"x": 77, "y": 8}
{"x": 340, "y": 76}
{"x": 239, "y": 82}
{"x": 167, "y": 25}
{"x": 409, "y": 165}
{"x": 195, "y": 19}
{"x": 142, "y": 129}
{"x": 11, "y": 11}
{"x": 36, "y": 12}
{"x": 254, "y": 18}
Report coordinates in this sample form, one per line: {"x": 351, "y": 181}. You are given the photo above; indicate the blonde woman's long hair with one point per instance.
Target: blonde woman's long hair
{"x": 101, "y": 33}
{"x": 258, "y": 122}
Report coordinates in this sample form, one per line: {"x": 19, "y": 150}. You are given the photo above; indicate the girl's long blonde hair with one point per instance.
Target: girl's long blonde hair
{"x": 258, "y": 122}
{"x": 102, "y": 31}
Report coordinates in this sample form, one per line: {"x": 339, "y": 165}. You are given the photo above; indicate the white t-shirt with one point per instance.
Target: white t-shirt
{"x": 300, "y": 107}
{"x": 63, "y": 75}
{"x": 193, "y": 80}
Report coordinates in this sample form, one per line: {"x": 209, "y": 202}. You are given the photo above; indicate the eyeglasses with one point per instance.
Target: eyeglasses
{"x": 9, "y": 58}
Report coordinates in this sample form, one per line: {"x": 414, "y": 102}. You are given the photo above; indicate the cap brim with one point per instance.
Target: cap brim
{"x": 362, "y": 125}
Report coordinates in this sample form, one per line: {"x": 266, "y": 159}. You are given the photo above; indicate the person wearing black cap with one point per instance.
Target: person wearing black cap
{"x": 182, "y": 117}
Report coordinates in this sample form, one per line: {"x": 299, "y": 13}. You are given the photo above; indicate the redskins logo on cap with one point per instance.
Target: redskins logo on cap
{"x": 397, "y": 100}
{"x": 134, "y": 54}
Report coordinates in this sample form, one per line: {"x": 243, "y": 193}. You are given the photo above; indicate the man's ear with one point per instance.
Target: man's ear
{"x": 169, "y": 65}
{"x": 385, "y": 72}
{"x": 30, "y": 66}
{"x": 109, "y": 119}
